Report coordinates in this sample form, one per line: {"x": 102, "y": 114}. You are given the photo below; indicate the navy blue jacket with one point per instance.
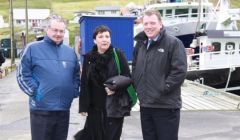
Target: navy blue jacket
{"x": 49, "y": 74}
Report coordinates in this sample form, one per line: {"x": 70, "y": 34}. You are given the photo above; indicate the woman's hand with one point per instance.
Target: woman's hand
{"x": 109, "y": 92}
{"x": 84, "y": 113}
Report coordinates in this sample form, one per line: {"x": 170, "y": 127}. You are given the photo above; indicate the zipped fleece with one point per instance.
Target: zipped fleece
{"x": 159, "y": 71}
{"x": 49, "y": 74}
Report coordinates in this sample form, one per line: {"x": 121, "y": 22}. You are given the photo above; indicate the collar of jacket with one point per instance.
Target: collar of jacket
{"x": 94, "y": 51}
{"x": 49, "y": 40}
{"x": 143, "y": 37}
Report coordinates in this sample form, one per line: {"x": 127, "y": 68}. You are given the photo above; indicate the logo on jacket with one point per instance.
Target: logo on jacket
{"x": 64, "y": 64}
{"x": 33, "y": 103}
{"x": 161, "y": 50}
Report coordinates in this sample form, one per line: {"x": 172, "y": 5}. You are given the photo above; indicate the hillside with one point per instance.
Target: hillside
{"x": 66, "y": 8}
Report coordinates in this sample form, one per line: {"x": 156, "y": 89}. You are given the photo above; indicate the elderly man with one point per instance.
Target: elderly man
{"x": 49, "y": 74}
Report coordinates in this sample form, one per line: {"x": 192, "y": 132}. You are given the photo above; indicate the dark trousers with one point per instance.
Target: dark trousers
{"x": 49, "y": 125}
{"x": 160, "y": 124}
{"x": 114, "y": 128}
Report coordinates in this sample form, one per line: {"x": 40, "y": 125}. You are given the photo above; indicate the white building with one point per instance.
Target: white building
{"x": 107, "y": 10}
{"x": 1, "y": 21}
{"x": 79, "y": 14}
{"x": 2, "y": 24}
{"x": 35, "y": 17}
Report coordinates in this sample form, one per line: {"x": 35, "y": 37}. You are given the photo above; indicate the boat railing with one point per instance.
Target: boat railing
{"x": 193, "y": 61}
{"x": 208, "y": 16}
{"x": 213, "y": 60}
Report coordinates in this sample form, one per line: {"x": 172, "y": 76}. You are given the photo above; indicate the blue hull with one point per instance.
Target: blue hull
{"x": 186, "y": 39}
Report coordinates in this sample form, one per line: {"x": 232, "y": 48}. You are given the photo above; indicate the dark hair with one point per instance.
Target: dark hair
{"x": 101, "y": 29}
{"x": 153, "y": 12}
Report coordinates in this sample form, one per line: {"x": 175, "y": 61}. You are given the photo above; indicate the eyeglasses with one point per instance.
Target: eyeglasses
{"x": 57, "y": 31}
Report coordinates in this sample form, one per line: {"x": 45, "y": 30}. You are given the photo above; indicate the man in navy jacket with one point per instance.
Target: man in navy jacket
{"x": 49, "y": 74}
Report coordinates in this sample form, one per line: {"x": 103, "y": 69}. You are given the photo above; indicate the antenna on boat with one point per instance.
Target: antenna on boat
{"x": 194, "y": 43}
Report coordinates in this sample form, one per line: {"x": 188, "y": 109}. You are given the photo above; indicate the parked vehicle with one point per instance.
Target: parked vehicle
{"x": 6, "y": 47}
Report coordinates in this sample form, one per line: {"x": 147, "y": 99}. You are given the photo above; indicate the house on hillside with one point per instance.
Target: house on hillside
{"x": 1, "y": 21}
{"x": 108, "y": 10}
{"x": 35, "y": 17}
{"x": 2, "y": 24}
{"x": 78, "y": 14}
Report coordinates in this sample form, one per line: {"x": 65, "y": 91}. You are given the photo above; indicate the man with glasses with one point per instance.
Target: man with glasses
{"x": 49, "y": 74}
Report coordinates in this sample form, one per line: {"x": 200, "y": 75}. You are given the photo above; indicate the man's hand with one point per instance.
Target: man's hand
{"x": 84, "y": 113}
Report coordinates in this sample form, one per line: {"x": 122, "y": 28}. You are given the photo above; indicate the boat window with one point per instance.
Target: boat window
{"x": 230, "y": 46}
{"x": 161, "y": 12}
{"x": 217, "y": 47}
{"x": 194, "y": 12}
{"x": 204, "y": 13}
{"x": 169, "y": 13}
{"x": 181, "y": 12}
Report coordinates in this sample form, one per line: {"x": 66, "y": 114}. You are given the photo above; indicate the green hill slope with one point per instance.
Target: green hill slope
{"x": 66, "y": 8}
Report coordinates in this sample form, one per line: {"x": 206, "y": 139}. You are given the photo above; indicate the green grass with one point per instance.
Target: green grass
{"x": 4, "y": 5}
{"x": 66, "y": 8}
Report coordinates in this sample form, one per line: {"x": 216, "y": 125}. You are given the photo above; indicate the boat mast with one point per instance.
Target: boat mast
{"x": 195, "y": 43}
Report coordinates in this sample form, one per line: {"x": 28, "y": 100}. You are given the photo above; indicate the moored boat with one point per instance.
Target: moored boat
{"x": 215, "y": 60}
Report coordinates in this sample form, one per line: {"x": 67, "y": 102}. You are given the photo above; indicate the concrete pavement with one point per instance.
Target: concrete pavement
{"x": 195, "y": 125}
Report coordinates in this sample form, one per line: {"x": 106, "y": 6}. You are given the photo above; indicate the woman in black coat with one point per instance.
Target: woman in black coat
{"x": 105, "y": 109}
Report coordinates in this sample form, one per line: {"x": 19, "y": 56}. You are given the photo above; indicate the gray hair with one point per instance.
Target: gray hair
{"x": 153, "y": 12}
{"x": 54, "y": 18}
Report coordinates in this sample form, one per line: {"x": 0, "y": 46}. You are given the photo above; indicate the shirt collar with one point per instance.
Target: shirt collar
{"x": 155, "y": 39}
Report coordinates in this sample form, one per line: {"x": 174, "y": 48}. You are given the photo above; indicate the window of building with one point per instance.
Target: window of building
{"x": 101, "y": 12}
{"x": 113, "y": 12}
{"x": 18, "y": 21}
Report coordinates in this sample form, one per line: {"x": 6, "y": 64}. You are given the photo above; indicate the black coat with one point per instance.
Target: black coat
{"x": 2, "y": 59}
{"x": 96, "y": 70}
{"x": 159, "y": 71}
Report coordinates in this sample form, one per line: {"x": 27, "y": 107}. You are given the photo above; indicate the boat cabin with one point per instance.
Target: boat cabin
{"x": 217, "y": 49}
{"x": 186, "y": 11}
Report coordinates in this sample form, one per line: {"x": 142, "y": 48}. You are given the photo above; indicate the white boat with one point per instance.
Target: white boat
{"x": 184, "y": 19}
{"x": 215, "y": 60}
{"x": 211, "y": 39}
